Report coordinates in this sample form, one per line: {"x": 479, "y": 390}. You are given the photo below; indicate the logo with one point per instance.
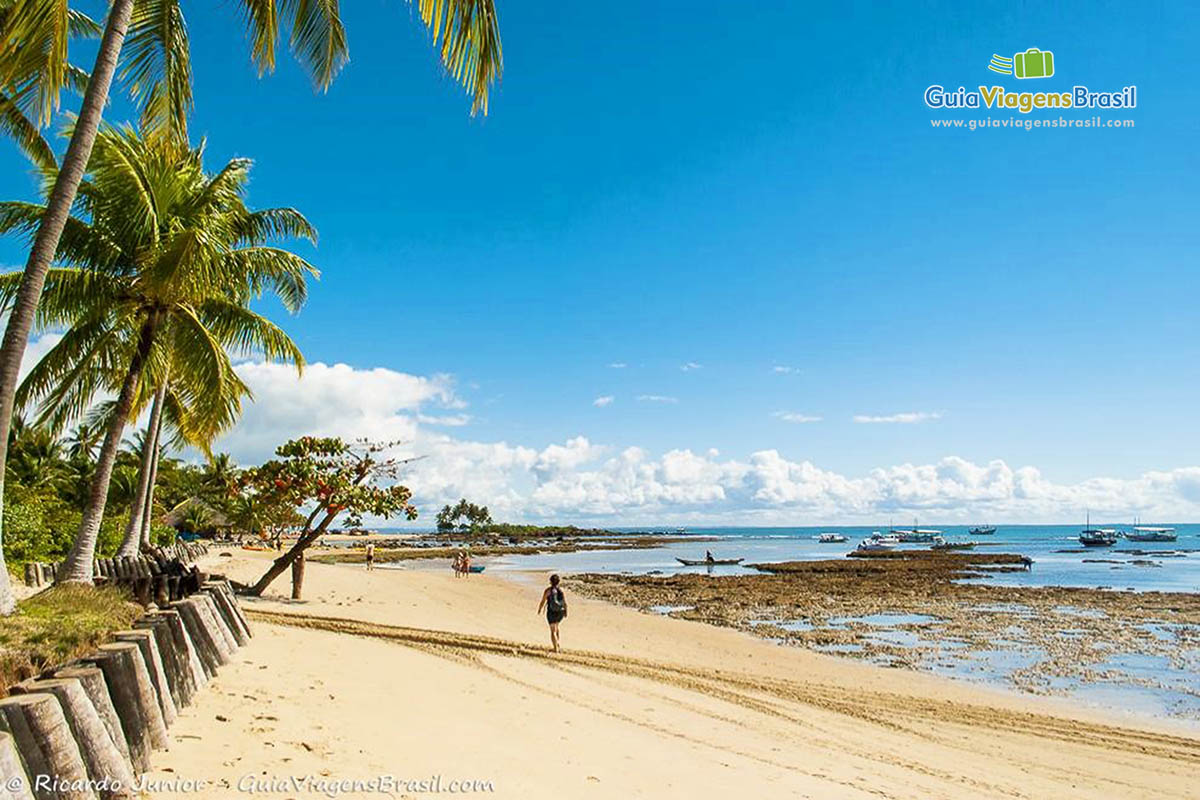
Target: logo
{"x": 1033, "y": 63}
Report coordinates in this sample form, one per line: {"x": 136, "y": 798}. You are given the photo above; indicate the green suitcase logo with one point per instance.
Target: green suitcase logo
{"x": 1033, "y": 63}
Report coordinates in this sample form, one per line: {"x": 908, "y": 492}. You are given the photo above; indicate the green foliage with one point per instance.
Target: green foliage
{"x": 40, "y": 526}
{"x": 60, "y": 624}
{"x": 329, "y": 477}
{"x": 464, "y": 516}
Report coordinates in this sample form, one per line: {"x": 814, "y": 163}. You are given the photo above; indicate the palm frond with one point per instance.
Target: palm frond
{"x": 156, "y": 67}
{"x": 469, "y": 32}
{"x": 246, "y": 333}
{"x": 316, "y": 36}
{"x": 26, "y": 134}
{"x": 33, "y": 48}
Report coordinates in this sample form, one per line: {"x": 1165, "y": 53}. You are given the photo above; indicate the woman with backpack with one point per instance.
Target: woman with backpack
{"x": 555, "y": 603}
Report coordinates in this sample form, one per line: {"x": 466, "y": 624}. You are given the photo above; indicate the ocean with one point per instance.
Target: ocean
{"x": 1059, "y": 559}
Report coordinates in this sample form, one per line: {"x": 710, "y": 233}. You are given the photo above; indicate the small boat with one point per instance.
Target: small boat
{"x": 1142, "y": 533}
{"x": 941, "y": 544}
{"x": 704, "y": 562}
{"x": 916, "y": 535}
{"x": 476, "y": 568}
{"x": 1096, "y": 537}
{"x": 831, "y": 538}
{"x": 873, "y": 546}
{"x": 880, "y": 538}
{"x": 982, "y": 530}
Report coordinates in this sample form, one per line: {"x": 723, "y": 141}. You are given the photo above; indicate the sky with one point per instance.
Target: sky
{"x": 706, "y": 263}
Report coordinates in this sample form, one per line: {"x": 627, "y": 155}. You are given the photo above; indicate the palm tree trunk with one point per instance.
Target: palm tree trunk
{"x": 133, "y": 529}
{"x": 148, "y": 511}
{"x": 78, "y": 566}
{"x": 45, "y": 244}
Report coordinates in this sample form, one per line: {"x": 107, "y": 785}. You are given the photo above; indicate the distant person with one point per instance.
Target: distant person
{"x": 370, "y": 556}
{"x": 555, "y": 603}
{"x": 456, "y": 563}
{"x": 708, "y": 556}
{"x": 466, "y": 563}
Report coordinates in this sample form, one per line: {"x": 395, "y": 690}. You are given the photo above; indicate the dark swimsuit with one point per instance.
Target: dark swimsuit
{"x": 552, "y": 616}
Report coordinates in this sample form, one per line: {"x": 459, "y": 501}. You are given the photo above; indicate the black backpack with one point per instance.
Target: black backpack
{"x": 557, "y": 602}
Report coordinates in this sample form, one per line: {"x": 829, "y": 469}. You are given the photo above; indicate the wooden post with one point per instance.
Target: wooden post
{"x": 133, "y": 698}
{"x": 298, "y": 576}
{"x": 104, "y": 763}
{"x": 44, "y": 740}
{"x": 154, "y": 667}
{"x": 92, "y": 681}
{"x": 206, "y": 648}
{"x": 14, "y": 783}
{"x": 225, "y": 642}
{"x": 175, "y": 671}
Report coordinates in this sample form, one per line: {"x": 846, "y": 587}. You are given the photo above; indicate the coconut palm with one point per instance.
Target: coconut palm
{"x": 82, "y": 442}
{"x": 161, "y": 263}
{"x": 34, "y": 38}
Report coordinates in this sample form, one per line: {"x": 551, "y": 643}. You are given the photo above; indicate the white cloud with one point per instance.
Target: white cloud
{"x": 905, "y": 418}
{"x": 779, "y": 369}
{"x": 580, "y": 480}
{"x": 691, "y": 365}
{"x": 795, "y": 417}
{"x": 657, "y": 398}
{"x": 37, "y": 349}
{"x": 618, "y": 365}
{"x": 603, "y": 400}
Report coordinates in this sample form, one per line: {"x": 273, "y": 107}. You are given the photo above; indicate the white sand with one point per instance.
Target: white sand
{"x": 417, "y": 674}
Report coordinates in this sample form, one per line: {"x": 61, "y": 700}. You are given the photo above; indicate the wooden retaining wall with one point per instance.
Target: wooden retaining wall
{"x": 88, "y": 730}
{"x": 160, "y": 575}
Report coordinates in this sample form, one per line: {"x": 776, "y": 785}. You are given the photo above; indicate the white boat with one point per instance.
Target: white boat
{"x": 915, "y": 534}
{"x": 942, "y": 544}
{"x": 874, "y": 546}
{"x": 1144, "y": 533}
{"x": 982, "y": 530}
{"x": 831, "y": 538}
{"x": 888, "y": 538}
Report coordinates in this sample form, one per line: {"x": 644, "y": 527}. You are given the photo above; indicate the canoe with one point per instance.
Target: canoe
{"x": 687, "y": 562}
{"x": 476, "y": 568}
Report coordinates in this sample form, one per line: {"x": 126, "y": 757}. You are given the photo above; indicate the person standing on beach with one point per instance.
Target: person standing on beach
{"x": 555, "y": 603}
{"x": 370, "y": 556}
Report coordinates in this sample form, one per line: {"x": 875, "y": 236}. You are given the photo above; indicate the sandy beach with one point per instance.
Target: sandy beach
{"x": 417, "y": 675}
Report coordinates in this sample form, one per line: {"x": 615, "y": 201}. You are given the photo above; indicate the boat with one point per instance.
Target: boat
{"x": 476, "y": 568}
{"x": 1143, "y": 533}
{"x": 942, "y": 544}
{"x": 915, "y": 535}
{"x": 704, "y": 562}
{"x": 1096, "y": 537}
{"x": 982, "y": 530}
{"x": 873, "y": 545}
{"x": 831, "y": 538}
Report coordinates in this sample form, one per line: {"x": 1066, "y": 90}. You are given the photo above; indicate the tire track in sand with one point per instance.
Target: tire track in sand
{"x": 896, "y": 711}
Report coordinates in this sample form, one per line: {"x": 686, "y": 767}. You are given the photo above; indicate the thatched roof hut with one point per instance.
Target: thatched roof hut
{"x": 215, "y": 520}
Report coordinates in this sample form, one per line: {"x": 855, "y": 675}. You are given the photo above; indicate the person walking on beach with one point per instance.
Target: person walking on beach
{"x": 370, "y": 556}
{"x": 555, "y": 603}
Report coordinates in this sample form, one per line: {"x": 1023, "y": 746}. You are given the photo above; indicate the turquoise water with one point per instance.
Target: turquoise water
{"x": 1059, "y": 559}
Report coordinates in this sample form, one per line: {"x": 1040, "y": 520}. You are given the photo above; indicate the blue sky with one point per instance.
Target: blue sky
{"x": 745, "y": 189}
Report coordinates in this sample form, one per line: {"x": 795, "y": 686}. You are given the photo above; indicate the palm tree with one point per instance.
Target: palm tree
{"x": 162, "y": 265}
{"x": 158, "y": 73}
{"x": 82, "y": 442}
